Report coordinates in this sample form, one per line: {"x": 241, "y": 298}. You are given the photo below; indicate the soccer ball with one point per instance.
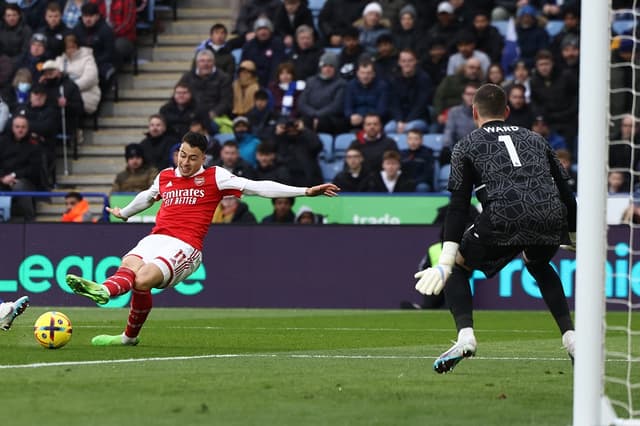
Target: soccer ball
{"x": 52, "y": 330}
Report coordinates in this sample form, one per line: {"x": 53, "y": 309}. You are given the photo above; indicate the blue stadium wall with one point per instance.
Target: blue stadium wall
{"x": 329, "y": 266}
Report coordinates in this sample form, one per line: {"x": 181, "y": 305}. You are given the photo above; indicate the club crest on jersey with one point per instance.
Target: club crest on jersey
{"x": 199, "y": 180}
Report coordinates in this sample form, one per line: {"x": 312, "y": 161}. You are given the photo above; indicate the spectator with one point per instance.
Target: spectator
{"x": 466, "y": 46}
{"x": 212, "y": 153}
{"x": 365, "y": 94}
{"x": 54, "y": 29}
{"x": 63, "y": 93}
{"x": 94, "y": 32}
{"x": 157, "y": 143}
{"x": 371, "y": 27}
{"x": 521, "y": 76}
{"x": 495, "y": 75}
{"x": 554, "y": 94}
{"x": 618, "y": 183}
{"x": 35, "y": 56}
{"x": 386, "y": 57}
{"x": 373, "y": 143}
{"x": 624, "y": 144}
{"x": 407, "y": 34}
{"x": 33, "y": 12}
{"x": 555, "y": 140}
{"x": 232, "y": 210}
{"x": 76, "y": 208}
{"x": 446, "y": 26}
{"x": 351, "y": 51}
{"x": 487, "y": 37}
{"x": 571, "y": 19}
{"x": 15, "y": 34}
{"x": 261, "y": 118}
{"x": 623, "y": 71}
{"x": 72, "y": 12}
{"x": 17, "y": 95}
{"x": 564, "y": 157}
{"x": 459, "y": 122}
{"x": 570, "y": 56}
{"x": 391, "y": 11}
{"x": 291, "y": 15}
{"x": 137, "y": 175}
{"x": 298, "y": 149}
{"x": 338, "y": 16}
{"x": 121, "y": 16}
{"x": 247, "y": 142}
{"x": 221, "y": 49}
{"x": 20, "y": 165}
{"x": 44, "y": 125}
{"x": 4, "y": 115}
{"x": 231, "y": 161}
{"x": 531, "y": 37}
{"x": 452, "y": 87}
{"x": 78, "y": 63}
{"x": 306, "y": 216}
{"x": 321, "y": 104}
{"x": 210, "y": 86}
{"x": 305, "y": 54}
{"x": 267, "y": 168}
{"x": 436, "y": 60}
{"x": 390, "y": 179}
{"x": 180, "y": 111}
{"x": 352, "y": 176}
{"x": 265, "y": 50}
{"x": 418, "y": 162}
{"x": 411, "y": 90}
{"x": 245, "y": 88}
{"x": 282, "y": 211}
{"x": 286, "y": 90}
{"x": 251, "y": 12}
{"x": 520, "y": 113}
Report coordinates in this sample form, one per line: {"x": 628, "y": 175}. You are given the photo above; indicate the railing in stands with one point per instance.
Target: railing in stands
{"x": 39, "y": 194}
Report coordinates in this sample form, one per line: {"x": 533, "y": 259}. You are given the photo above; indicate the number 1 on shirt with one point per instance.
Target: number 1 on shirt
{"x": 511, "y": 149}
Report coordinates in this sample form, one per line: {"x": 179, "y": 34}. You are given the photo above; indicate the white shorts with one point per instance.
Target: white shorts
{"x": 175, "y": 258}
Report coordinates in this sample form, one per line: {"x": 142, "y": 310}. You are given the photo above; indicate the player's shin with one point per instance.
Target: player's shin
{"x": 120, "y": 282}
{"x": 458, "y": 296}
{"x": 141, "y": 303}
{"x": 552, "y": 293}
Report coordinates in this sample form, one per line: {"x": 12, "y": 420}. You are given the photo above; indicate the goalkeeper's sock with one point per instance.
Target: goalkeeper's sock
{"x": 141, "y": 303}
{"x": 457, "y": 293}
{"x": 120, "y": 282}
{"x": 553, "y": 294}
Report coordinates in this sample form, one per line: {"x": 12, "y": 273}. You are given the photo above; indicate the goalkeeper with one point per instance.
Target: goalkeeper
{"x": 527, "y": 208}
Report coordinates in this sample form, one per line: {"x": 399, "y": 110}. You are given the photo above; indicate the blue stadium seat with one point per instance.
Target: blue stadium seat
{"x": 330, "y": 169}
{"x": 315, "y": 6}
{"x": 443, "y": 178}
{"x": 623, "y": 26}
{"x": 401, "y": 140}
{"x": 327, "y": 145}
{"x": 554, "y": 27}
{"x": 224, "y": 137}
{"x": 341, "y": 143}
{"x": 335, "y": 50}
{"x": 237, "y": 54}
{"x": 5, "y": 209}
{"x": 433, "y": 141}
{"x": 501, "y": 26}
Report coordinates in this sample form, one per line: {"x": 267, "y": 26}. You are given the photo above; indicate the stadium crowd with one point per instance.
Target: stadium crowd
{"x": 352, "y": 92}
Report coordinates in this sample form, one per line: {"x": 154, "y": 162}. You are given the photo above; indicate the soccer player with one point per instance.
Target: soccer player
{"x": 190, "y": 194}
{"x": 9, "y": 311}
{"x": 527, "y": 207}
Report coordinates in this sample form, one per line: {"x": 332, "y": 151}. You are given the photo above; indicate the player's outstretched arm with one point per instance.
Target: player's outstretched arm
{"x": 328, "y": 189}
{"x": 271, "y": 189}
{"x": 116, "y": 212}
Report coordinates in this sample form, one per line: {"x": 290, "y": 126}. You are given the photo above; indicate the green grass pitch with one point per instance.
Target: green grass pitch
{"x": 294, "y": 367}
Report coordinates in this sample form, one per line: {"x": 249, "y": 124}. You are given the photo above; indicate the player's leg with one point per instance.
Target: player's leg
{"x": 9, "y": 311}
{"x": 537, "y": 262}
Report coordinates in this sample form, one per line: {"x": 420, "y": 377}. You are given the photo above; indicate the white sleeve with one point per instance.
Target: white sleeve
{"x": 264, "y": 188}
{"x": 143, "y": 200}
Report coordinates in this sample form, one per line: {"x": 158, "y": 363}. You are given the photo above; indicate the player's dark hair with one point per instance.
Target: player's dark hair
{"x": 490, "y": 101}
{"x": 196, "y": 140}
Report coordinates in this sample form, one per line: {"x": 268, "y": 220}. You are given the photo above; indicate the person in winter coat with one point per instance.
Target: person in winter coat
{"x": 79, "y": 64}
{"x": 245, "y": 88}
{"x": 76, "y": 208}
{"x": 180, "y": 111}
{"x": 15, "y": 34}
{"x": 137, "y": 176}
{"x": 158, "y": 143}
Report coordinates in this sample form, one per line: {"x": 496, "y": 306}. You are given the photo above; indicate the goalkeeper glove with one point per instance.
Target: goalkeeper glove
{"x": 432, "y": 280}
{"x": 572, "y": 240}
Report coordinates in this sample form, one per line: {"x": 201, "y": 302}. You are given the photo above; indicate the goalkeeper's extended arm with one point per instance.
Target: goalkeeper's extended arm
{"x": 432, "y": 280}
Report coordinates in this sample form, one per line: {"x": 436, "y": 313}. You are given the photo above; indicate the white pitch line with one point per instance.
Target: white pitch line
{"x": 285, "y": 356}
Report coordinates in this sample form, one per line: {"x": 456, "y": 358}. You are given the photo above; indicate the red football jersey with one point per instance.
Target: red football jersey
{"x": 188, "y": 203}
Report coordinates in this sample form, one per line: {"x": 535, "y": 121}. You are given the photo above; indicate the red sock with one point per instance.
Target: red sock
{"x": 120, "y": 282}
{"x": 141, "y": 303}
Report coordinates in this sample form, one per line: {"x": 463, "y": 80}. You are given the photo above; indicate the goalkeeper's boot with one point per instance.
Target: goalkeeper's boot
{"x": 465, "y": 347}
{"x": 9, "y": 311}
{"x": 569, "y": 343}
{"x": 86, "y": 288}
{"x": 117, "y": 340}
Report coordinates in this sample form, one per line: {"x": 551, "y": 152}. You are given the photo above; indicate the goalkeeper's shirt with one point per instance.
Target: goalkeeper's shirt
{"x": 518, "y": 180}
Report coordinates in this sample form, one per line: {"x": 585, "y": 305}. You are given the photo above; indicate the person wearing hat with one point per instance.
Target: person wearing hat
{"x": 93, "y": 31}
{"x": 247, "y": 142}
{"x": 265, "y": 50}
{"x": 250, "y": 12}
{"x": 321, "y": 104}
{"x": 336, "y": 17}
{"x": 221, "y": 48}
{"x": 158, "y": 143}
{"x": 245, "y": 88}
{"x": 137, "y": 175}
{"x": 305, "y": 53}
{"x": 35, "y": 56}
{"x": 44, "y": 122}
{"x": 372, "y": 27}
{"x": 407, "y": 33}
{"x": 15, "y": 34}
{"x": 570, "y": 55}
{"x": 446, "y": 26}
{"x": 531, "y": 37}
{"x": 78, "y": 63}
